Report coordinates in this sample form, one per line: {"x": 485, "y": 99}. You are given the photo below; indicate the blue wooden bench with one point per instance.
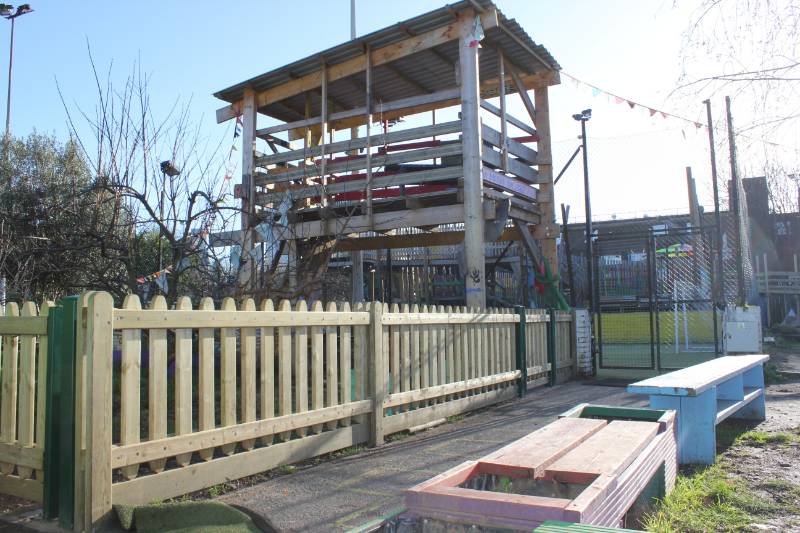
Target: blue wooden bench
{"x": 706, "y": 394}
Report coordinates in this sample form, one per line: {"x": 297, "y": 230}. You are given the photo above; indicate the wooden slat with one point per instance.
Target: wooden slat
{"x": 30, "y": 325}
{"x": 183, "y": 380}
{"x": 360, "y": 342}
{"x": 608, "y": 451}
{"x": 510, "y": 184}
{"x": 345, "y": 363}
{"x": 523, "y": 93}
{"x": 198, "y": 476}
{"x": 511, "y": 120}
{"x": 424, "y": 415}
{"x": 438, "y": 391}
{"x": 27, "y": 389}
{"x": 157, "y": 383}
{"x": 317, "y": 366}
{"x": 157, "y": 319}
{"x": 331, "y": 365}
{"x": 473, "y": 317}
{"x": 362, "y": 142}
{"x": 378, "y": 160}
{"x": 227, "y": 367}
{"x": 130, "y": 386}
{"x": 8, "y": 406}
{"x": 526, "y": 155}
{"x": 392, "y": 180}
{"x": 267, "y": 371}
{"x": 405, "y": 354}
{"x": 248, "y": 373}
{"x": 416, "y": 365}
{"x": 441, "y": 378}
{"x": 285, "y": 368}
{"x": 205, "y": 379}
{"x": 152, "y": 450}
{"x": 515, "y": 167}
{"x": 28, "y": 489}
{"x": 25, "y": 456}
{"x": 424, "y": 355}
{"x": 394, "y": 362}
{"x": 300, "y": 358}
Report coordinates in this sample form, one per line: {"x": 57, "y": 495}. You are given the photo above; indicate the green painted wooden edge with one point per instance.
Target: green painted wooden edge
{"x": 59, "y": 453}
{"x": 522, "y": 363}
{"x": 551, "y": 347}
{"x": 564, "y": 527}
{"x": 372, "y": 525}
{"x": 622, "y": 412}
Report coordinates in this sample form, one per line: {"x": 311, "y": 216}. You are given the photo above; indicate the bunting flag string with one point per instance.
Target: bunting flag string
{"x": 597, "y": 91}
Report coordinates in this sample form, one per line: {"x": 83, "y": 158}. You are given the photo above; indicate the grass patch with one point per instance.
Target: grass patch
{"x": 287, "y": 469}
{"x": 707, "y": 500}
{"x": 772, "y": 375}
{"x": 455, "y": 418}
{"x": 762, "y": 438}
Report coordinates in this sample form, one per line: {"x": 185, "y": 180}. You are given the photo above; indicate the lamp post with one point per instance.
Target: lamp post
{"x": 583, "y": 117}
{"x": 167, "y": 169}
{"x": 6, "y": 11}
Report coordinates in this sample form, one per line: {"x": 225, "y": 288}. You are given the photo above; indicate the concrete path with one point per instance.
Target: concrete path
{"x": 347, "y": 492}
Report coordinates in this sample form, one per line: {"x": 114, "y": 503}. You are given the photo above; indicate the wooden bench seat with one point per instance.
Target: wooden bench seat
{"x": 706, "y": 394}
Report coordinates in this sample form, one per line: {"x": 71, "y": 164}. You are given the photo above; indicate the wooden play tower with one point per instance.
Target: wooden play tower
{"x": 395, "y": 130}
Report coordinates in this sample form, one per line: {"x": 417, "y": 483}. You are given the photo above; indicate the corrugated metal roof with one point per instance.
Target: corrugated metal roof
{"x": 427, "y": 71}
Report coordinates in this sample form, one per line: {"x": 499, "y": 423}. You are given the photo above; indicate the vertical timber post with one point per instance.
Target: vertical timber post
{"x": 97, "y": 410}
{"x": 473, "y": 178}
{"x": 246, "y": 269}
{"x": 377, "y": 373}
{"x": 551, "y": 347}
{"x": 522, "y": 350}
{"x": 547, "y": 231}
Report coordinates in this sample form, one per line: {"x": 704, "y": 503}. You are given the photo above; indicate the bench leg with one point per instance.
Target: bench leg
{"x": 697, "y": 416}
{"x": 757, "y": 409}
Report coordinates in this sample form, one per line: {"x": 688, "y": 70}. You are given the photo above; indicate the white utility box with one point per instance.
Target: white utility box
{"x": 741, "y": 330}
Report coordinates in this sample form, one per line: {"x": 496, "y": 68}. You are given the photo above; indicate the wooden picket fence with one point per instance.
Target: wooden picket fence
{"x": 23, "y": 349}
{"x": 193, "y": 397}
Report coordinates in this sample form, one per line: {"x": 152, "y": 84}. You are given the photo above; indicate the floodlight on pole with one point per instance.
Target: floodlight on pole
{"x": 7, "y": 12}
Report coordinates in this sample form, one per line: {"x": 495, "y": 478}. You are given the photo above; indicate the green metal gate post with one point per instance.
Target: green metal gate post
{"x": 551, "y": 346}
{"x": 59, "y": 453}
{"x": 522, "y": 362}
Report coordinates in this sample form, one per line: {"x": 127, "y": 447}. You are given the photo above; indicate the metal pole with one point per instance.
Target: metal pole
{"x": 352, "y": 19}
{"x": 736, "y": 206}
{"x": 10, "y": 63}
{"x": 717, "y": 216}
{"x": 588, "y": 205}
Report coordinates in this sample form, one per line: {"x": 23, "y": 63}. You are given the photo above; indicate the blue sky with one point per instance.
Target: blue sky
{"x": 193, "y": 48}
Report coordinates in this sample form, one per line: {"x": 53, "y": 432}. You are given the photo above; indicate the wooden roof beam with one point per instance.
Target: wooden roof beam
{"x": 380, "y": 56}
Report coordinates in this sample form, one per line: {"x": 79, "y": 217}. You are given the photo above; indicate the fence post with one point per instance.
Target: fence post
{"x": 96, "y": 408}
{"x": 522, "y": 360}
{"x": 551, "y": 346}
{"x": 573, "y": 342}
{"x": 377, "y": 373}
{"x": 59, "y": 402}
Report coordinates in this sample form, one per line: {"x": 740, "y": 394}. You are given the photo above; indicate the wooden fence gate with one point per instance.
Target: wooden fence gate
{"x": 150, "y": 404}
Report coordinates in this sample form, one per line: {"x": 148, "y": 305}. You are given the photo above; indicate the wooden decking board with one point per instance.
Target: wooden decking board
{"x": 607, "y": 452}
{"x": 546, "y": 445}
{"x": 693, "y": 380}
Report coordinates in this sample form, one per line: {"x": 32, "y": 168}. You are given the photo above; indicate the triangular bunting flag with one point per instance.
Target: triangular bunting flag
{"x": 698, "y": 125}
{"x": 595, "y": 91}
{"x": 632, "y": 104}
{"x": 664, "y": 115}
{"x": 618, "y": 100}
{"x": 652, "y": 111}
